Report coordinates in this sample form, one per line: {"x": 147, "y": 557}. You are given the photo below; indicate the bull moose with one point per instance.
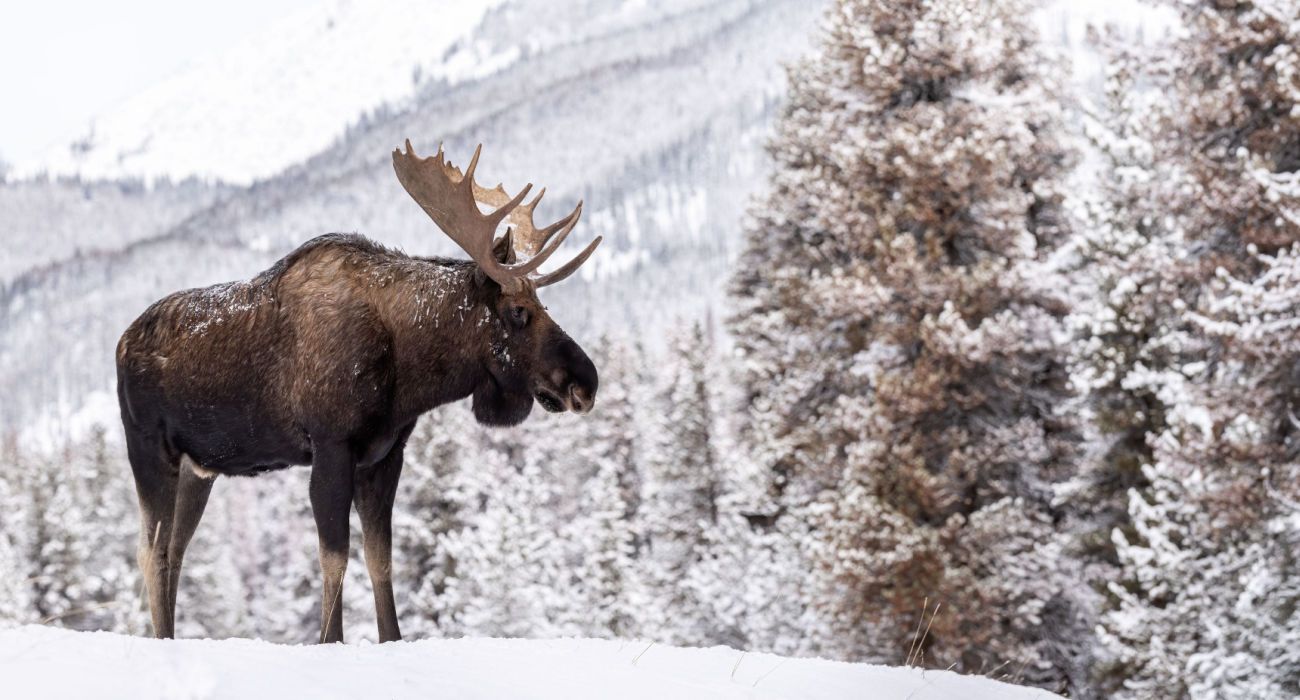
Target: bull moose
{"x": 328, "y": 358}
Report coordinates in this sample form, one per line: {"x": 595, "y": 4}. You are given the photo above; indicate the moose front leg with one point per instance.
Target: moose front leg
{"x": 374, "y": 499}
{"x": 376, "y": 488}
{"x": 155, "y": 482}
{"x": 192, "y": 493}
{"x": 331, "y": 502}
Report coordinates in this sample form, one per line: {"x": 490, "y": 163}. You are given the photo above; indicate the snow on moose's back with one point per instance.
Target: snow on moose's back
{"x": 39, "y": 662}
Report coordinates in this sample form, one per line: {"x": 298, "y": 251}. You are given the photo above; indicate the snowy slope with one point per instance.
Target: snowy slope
{"x": 53, "y": 663}
{"x": 283, "y": 95}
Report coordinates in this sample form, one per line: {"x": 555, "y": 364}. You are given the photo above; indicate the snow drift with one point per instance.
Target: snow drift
{"x": 54, "y": 663}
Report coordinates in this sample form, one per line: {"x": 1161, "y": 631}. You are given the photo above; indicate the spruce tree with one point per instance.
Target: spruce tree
{"x": 1206, "y": 602}
{"x": 679, "y": 493}
{"x": 1127, "y": 281}
{"x": 105, "y": 491}
{"x": 15, "y": 605}
{"x": 56, "y": 547}
{"x": 901, "y": 337}
{"x": 15, "y": 589}
{"x": 506, "y": 561}
{"x": 431, "y": 504}
{"x": 598, "y": 565}
{"x": 607, "y": 450}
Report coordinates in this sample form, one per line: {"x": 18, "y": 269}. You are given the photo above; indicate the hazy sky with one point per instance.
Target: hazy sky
{"x": 63, "y": 61}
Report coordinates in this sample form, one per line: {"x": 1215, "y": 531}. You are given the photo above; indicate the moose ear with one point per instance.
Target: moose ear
{"x": 504, "y": 248}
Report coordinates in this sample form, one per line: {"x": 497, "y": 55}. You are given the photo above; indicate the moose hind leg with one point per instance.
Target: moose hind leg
{"x": 191, "y": 499}
{"x": 155, "y": 475}
{"x": 331, "y": 503}
{"x": 376, "y": 488}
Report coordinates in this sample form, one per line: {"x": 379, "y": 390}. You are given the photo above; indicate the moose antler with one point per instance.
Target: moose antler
{"x": 451, "y": 199}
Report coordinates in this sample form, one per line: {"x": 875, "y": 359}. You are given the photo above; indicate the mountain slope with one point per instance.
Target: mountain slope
{"x": 112, "y": 666}
{"x": 283, "y": 95}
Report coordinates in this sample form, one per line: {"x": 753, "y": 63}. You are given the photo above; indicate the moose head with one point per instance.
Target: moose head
{"x": 531, "y": 357}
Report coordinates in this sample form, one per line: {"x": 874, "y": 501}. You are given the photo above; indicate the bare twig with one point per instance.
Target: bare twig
{"x": 917, "y": 653}
{"x": 737, "y": 666}
{"x": 995, "y": 670}
{"x": 911, "y": 649}
{"x": 1020, "y": 673}
{"x": 643, "y": 651}
{"x": 921, "y": 647}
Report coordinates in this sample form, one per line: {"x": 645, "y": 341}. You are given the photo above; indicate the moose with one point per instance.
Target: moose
{"x": 328, "y": 358}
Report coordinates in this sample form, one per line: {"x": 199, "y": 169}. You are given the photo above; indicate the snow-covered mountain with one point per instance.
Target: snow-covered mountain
{"x": 286, "y": 94}
{"x": 654, "y": 113}
{"x": 114, "y": 666}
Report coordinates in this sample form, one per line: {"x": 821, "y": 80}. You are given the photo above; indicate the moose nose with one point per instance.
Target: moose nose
{"x": 579, "y": 400}
{"x": 578, "y": 380}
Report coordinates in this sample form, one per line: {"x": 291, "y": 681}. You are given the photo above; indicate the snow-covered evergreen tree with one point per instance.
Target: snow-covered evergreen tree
{"x": 15, "y": 589}
{"x": 613, "y": 436}
{"x": 598, "y": 563}
{"x": 506, "y": 561}
{"x": 679, "y": 494}
{"x": 440, "y": 454}
{"x": 282, "y": 579}
{"x": 1128, "y": 260}
{"x": 56, "y": 543}
{"x": 105, "y": 492}
{"x": 901, "y": 334}
{"x": 1206, "y": 603}
{"x": 15, "y": 605}
{"x": 1127, "y": 257}
{"x": 607, "y": 451}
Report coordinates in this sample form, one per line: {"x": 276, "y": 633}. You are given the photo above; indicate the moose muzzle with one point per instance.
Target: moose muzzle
{"x": 571, "y": 383}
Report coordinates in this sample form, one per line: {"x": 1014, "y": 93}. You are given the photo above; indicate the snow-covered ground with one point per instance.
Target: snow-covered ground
{"x": 53, "y": 663}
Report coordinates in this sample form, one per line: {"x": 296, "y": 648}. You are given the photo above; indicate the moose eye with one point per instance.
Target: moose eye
{"x": 519, "y": 316}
